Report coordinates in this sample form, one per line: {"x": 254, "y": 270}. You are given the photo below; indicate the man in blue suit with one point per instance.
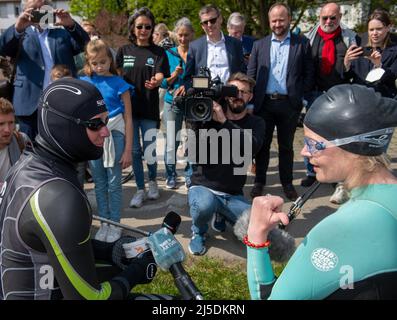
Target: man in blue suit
{"x": 282, "y": 66}
{"x": 222, "y": 54}
{"x": 38, "y": 49}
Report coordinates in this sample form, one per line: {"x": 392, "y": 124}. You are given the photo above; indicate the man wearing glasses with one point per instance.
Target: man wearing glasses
{"x": 217, "y": 184}
{"x": 329, "y": 40}
{"x": 222, "y": 54}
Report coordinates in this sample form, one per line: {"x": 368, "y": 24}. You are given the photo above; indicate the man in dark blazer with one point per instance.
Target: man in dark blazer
{"x": 222, "y": 54}
{"x": 38, "y": 49}
{"x": 282, "y": 66}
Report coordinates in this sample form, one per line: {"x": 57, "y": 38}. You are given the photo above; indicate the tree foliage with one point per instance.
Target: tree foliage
{"x": 113, "y": 12}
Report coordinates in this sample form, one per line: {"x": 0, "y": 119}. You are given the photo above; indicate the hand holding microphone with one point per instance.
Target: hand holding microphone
{"x": 139, "y": 269}
{"x": 169, "y": 255}
{"x": 266, "y": 214}
{"x": 282, "y": 243}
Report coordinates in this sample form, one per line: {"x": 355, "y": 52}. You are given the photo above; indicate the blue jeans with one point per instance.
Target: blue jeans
{"x": 173, "y": 117}
{"x": 141, "y": 126}
{"x": 203, "y": 204}
{"x": 108, "y": 190}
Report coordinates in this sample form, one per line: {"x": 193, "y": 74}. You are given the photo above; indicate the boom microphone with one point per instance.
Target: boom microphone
{"x": 282, "y": 243}
{"x": 169, "y": 254}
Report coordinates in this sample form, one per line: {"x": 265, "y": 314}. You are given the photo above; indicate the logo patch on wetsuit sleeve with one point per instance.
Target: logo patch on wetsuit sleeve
{"x": 324, "y": 259}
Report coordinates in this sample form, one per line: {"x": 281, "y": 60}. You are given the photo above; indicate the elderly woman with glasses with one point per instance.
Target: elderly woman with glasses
{"x": 352, "y": 254}
{"x": 144, "y": 65}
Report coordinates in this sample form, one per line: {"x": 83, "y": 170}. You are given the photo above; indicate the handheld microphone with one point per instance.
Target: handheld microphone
{"x": 169, "y": 254}
{"x": 282, "y": 243}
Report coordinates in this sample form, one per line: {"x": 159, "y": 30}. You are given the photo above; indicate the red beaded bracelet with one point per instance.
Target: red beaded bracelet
{"x": 253, "y": 245}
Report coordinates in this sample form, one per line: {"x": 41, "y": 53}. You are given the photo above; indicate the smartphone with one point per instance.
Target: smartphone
{"x": 38, "y": 15}
{"x": 367, "y": 51}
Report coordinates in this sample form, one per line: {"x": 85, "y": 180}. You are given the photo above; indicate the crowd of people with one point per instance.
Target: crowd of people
{"x": 77, "y": 101}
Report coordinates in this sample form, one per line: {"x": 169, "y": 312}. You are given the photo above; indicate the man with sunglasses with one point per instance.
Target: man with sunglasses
{"x": 36, "y": 48}
{"x": 329, "y": 40}
{"x": 222, "y": 54}
{"x": 45, "y": 217}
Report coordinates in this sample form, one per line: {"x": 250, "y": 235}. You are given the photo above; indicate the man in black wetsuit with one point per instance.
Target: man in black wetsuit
{"x": 45, "y": 218}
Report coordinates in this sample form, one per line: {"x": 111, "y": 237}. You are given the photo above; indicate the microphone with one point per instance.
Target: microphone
{"x": 169, "y": 254}
{"x": 282, "y": 243}
{"x": 172, "y": 221}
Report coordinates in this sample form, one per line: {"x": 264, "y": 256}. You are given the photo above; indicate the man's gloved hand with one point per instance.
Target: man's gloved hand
{"x": 142, "y": 268}
{"x": 118, "y": 253}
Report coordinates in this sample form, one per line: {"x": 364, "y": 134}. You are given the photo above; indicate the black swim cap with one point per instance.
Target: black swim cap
{"x": 74, "y": 98}
{"x": 350, "y": 110}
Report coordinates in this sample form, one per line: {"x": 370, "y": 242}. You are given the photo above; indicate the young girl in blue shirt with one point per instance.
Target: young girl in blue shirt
{"x": 101, "y": 72}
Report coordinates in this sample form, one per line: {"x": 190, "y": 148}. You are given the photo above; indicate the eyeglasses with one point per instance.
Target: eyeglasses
{"x": 140, "y": 27}
{"x": 325, "y": 18}
{"x": 374, "y": 139}
{"x": 243, "y": 92}
{"x": 212, "y": 21}
{"x": 95, "y": 124}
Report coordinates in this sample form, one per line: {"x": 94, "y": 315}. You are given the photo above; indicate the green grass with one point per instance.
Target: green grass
{"x": 215, "y": 279}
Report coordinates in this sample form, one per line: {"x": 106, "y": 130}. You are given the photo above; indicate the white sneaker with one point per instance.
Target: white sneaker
{"x": 114, "y": 234}
{"x": 137, "y": 199}
{"x": 340, "y": 195}
{"x": 153, "y": 192}
{"x": 102, "y": 232}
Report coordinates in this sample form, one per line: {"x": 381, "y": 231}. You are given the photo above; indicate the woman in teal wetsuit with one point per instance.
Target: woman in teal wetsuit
{"x": 351, "y": 254}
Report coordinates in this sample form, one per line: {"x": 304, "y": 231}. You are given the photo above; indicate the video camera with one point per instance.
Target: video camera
{"x": 198, "y": 101}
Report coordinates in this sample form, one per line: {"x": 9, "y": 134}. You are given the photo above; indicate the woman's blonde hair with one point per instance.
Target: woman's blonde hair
{"x": 93, "y": 48}
{"x": 365, "y": 167}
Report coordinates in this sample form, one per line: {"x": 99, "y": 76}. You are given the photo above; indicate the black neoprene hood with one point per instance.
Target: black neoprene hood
{"x": 75, "y": 98}
{"x": 349, "y": 110}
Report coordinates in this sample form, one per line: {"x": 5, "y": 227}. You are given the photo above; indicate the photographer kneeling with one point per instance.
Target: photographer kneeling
{"x": 45, "y": 217}
{"x": 224, "y": 149}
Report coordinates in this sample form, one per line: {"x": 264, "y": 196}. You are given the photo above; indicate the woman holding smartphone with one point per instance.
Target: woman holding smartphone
{"x": 380, "y": 52}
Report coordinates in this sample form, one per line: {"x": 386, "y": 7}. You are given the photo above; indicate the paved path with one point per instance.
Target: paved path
{"x": 225, "y": 245}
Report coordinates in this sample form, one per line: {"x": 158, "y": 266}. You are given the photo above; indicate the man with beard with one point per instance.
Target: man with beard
{"x": 329, "y": 40}
{"x": 224, "y": 148}
{"x": 283, "y": 68}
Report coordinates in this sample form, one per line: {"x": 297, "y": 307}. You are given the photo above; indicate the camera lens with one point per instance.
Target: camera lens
{"x": 200, "y": 110}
